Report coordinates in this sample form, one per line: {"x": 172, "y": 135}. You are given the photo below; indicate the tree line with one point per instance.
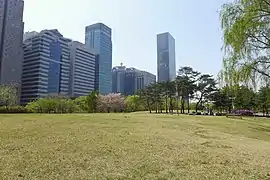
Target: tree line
{"x": 190, "y": 92}
{"x": 204, "y": 93}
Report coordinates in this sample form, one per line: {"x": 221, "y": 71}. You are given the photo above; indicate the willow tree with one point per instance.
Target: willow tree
{"x": 246, "y": 32}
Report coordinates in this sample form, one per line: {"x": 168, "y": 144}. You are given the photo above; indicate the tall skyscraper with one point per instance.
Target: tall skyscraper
{"x": 98, "y": 37}
{"x": 166, "y": 57}
{"x": 82, "y": 67}
{"x": 11, "y": 41}
{"x": 46, "y": 65}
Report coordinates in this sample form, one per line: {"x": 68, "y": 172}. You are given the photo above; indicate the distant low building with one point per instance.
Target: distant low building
{"x": 118, "y": 79}
{"x": 128, "y": 81}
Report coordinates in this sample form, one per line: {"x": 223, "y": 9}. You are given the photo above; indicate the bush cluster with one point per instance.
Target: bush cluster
{"x": 52, "y": 105}
{"x": 13, "y": 109}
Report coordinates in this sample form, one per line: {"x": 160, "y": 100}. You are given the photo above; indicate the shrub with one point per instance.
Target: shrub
{"x": 81, "y": 102}
{"x": 53, "y": 105}
{"x": 13, "y": 109}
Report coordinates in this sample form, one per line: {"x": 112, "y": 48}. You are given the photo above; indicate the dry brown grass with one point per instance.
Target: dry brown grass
{"x": 133, "y": 146}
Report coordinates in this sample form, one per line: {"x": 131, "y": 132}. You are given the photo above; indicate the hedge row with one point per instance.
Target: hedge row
{"x": 13, "y": 109}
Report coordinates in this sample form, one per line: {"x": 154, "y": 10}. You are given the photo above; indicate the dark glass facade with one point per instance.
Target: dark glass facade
{"x": 129, "y": 83}
{"x": 166, "y": 57}
{"x": 54, "y": 72}
{"x": 98, "y": 37}
{"x": 118, "y": 79}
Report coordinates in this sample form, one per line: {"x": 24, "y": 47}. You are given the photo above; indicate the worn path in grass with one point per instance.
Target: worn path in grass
{"x": 133, "y": 146}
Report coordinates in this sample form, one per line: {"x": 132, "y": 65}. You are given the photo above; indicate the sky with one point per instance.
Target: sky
{"x": 194, "y": 24}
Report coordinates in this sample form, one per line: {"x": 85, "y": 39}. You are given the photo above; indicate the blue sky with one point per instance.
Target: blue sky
{"x": 194, "y": 24}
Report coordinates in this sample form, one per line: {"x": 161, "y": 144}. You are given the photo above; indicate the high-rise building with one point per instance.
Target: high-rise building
{"x": 166, "y": 57}
{"x": 98, "y": 37}
{"x": 11, "y": 41}
{"x": 128, "y": 81}
{"x": 46, "y": 65}
{"x": 82, "y": 67}
{"x": 118, "y": 79}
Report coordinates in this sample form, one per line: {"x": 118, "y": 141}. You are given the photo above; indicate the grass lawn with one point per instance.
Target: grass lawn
{"x": 133, "y": 146}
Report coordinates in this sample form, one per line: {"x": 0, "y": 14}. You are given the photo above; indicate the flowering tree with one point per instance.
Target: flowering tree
{"x": 111, "y": 103}
{"x": 8, "y": 95}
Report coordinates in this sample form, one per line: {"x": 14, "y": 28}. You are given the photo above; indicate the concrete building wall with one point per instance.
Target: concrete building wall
{"x": 82, "y": 64}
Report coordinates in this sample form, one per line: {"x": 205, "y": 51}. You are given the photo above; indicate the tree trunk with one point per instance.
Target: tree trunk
{"x": 198, "y": 103}
{"x": 188, "y": 105}
{"x": 197, "y": 106}
{"x": 166, "y": 105}
{"x": 171, "y": 105}
{"x": 183, "y": 105}
{"x": 177, "y": 104}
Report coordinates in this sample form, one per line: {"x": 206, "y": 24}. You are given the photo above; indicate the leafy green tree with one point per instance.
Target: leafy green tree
{"x": 82, "y": 103}
{"x": 246, "y": 31}
{"x": 8, "y": 95}
{"x": 221, "y": 100}
{"x": 157, "y": 97}
{"x": 147, "y": 95}
{"x": 205, "y": 88}
{"x": 263, "y": 100}
{"x": 91, "y": 101}
{"x": 134, "y": 103}
{"x": 167, "y": 90}
{"x": 164, "y": 90}
{"x": 182, "y": 84}
{"x": 52, "y": 105}
{"x": 171, "y": 91}
{"x": 187, "y": 78}
{"x": 245, "y": 98}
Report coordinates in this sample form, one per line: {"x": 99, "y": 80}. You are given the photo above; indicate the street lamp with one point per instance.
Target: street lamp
{"x": 232, "y": 98}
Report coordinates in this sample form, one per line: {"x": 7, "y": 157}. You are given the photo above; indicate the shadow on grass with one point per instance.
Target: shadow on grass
{"x": 261, "y": 128}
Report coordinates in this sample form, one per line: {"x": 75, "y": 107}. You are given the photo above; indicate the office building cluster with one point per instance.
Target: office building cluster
{"x": 128, "y": 81}
{"x": 47, "y": 63}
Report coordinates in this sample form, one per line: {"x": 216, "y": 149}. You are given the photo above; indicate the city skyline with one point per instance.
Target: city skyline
{"x": 135, "y": 25}
{"x": 52, "y": 61}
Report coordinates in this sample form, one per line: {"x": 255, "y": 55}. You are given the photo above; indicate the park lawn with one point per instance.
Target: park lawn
{"x": 133, "y": 146}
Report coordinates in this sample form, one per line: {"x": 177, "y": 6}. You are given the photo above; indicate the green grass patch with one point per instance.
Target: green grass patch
{"x": 133, "y": 146}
